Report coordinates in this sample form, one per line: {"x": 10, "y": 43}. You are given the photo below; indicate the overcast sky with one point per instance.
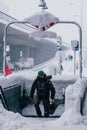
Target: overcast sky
{"x": 64, "y": 9}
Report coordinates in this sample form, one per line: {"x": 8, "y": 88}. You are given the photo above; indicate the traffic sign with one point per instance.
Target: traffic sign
{"x": 59, "y": 47}
{"x": 75, "y": 45}
{"x": 59, "y": 43}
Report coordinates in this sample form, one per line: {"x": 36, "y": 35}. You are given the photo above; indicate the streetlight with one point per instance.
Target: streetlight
{"x": 43, "y": 4}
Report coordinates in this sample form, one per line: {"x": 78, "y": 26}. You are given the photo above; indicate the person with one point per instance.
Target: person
{"x": 45, "y": 92}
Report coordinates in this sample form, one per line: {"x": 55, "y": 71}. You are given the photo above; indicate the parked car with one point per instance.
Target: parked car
{"x": 26, "y": 63}
{"x": 18, "y": 65}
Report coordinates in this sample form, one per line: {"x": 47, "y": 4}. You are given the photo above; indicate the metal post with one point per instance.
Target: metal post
{"x": 74, "y": 62}
{"x": 60, "y": 63}
{"x": 4, "y": 52}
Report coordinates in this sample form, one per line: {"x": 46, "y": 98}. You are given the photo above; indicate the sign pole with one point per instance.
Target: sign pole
{"x": 74, "y": 62}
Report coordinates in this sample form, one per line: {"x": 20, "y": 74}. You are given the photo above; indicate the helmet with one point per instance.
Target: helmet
{"x": 41, "y": 73}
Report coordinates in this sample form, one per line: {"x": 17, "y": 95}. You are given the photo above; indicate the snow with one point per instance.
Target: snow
{"x": 74, "y": 94}
{"x": 70, "y": 119}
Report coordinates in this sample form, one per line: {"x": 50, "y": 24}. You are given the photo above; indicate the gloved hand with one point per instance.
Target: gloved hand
{"x": 51, "y": 101}
{"x": 31, "y": 100}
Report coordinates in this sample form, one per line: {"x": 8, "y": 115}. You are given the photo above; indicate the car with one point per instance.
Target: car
{"x": 18, "y": 65}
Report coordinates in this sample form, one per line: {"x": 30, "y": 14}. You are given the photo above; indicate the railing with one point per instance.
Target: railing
{"x": 11, "y": 97}
{"x": 8, "y": 18}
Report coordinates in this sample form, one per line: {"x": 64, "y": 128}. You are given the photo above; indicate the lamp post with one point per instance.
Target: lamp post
{"x": 43, "y": 5}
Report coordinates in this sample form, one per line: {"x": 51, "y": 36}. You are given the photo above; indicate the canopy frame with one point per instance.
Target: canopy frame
{"x": 60, "y": 22}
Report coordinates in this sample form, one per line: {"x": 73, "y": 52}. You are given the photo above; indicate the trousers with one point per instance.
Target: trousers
{"x": 45, "y": 103}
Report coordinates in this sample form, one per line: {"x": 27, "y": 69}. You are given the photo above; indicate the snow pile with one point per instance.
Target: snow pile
{"x": 73, "y": 95}
{"x": 14, "y": 121}
{"x": 11, "y": 80}
{"x": 68, "y": 66}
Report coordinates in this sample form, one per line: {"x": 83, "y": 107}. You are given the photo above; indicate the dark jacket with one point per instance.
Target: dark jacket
{"x": 44, "y": 88}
